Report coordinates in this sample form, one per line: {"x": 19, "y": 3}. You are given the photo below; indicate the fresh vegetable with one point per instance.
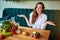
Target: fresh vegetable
{"x": 4, "y": 30}
{"x": 4, "y": 33}
{"x": 6, "y": 25}
{"x": 6, "y": 22}
{"x": 35, "y": 34}
{"x": 15, "y": 25}
{"x": 1, "y": 36}
{"x": 7, "y": 33}
{"x": 25, "y": 33}
{"x": 13, "y": 30}
{"x": 18, "y": 31}
{"x": 8, "y": 29}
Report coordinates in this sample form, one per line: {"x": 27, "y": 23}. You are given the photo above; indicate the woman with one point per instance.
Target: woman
{"x": 37, "y": 18}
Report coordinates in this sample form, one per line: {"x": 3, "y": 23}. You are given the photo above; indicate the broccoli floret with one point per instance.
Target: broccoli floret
{"x": 6, "y": 25}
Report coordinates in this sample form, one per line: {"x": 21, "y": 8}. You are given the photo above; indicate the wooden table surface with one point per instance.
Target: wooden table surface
{"x": 44, "y": 34}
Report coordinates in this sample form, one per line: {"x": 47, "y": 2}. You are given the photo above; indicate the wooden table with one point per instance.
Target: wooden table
{"x": 44, "y": 34}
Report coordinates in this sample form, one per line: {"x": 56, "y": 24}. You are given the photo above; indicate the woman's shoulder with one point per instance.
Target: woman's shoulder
{"x": 44, "y": 14}
{"x": 31, "y": 13}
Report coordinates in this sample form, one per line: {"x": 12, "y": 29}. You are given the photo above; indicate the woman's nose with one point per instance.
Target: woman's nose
{"x": 37, "y": 9}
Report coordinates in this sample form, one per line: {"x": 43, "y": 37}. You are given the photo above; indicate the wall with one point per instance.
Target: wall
{"x": 28, "y": 4}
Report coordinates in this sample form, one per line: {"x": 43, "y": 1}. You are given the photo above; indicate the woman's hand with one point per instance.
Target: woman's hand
{"x": 50, "y": 23}
{"x": 28, "y": 23}
{"x": 21, "y": 16}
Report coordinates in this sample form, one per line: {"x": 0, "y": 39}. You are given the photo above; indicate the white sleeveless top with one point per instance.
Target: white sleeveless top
{"x": 39, "y": 22}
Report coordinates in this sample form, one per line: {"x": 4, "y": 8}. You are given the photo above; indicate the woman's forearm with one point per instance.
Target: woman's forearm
{"x": 48, "y": 22}
{"x": 44, "y": 26}
{"x": 27, "y": 21}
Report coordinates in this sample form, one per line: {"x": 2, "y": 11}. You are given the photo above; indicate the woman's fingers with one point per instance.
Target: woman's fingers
{"x": 18, "y": 15}
{"x": 51, "y": 23}
{"x": 21, "y": 15}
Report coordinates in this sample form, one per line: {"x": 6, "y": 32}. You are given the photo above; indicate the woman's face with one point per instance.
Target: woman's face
{"x": 39, "y": 8}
